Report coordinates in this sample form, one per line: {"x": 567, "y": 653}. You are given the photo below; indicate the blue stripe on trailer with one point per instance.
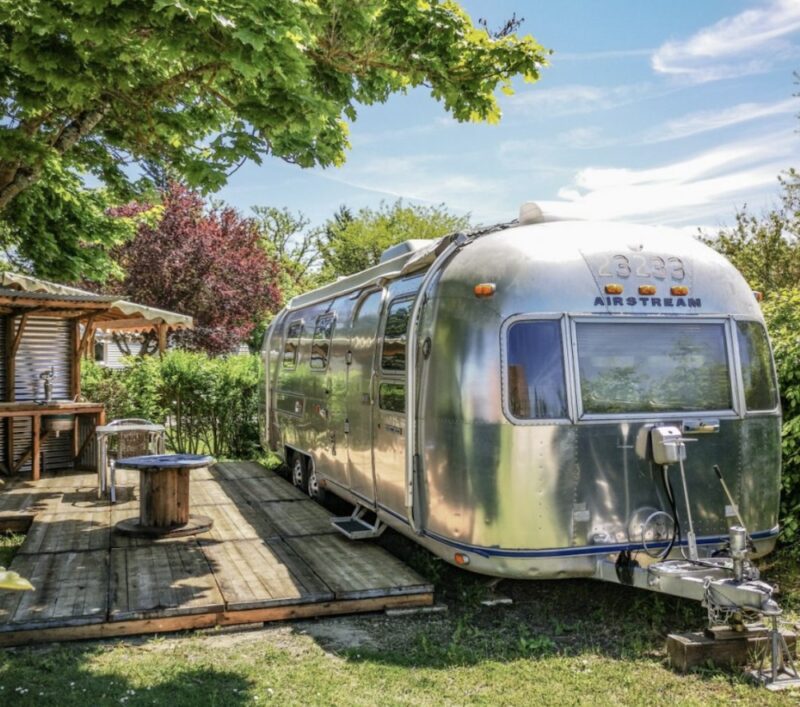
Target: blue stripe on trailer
{"x": 573, "y": 551}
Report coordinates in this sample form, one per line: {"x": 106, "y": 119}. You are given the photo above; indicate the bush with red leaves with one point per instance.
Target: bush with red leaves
{"x": 203, "y": 262}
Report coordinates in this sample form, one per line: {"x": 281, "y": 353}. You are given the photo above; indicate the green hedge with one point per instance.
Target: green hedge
{"x": 209, "y": 405}
{"x": 782, "y": 312}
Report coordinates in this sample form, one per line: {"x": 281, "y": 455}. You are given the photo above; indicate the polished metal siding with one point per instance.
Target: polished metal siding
{"x": 45, "y": 342}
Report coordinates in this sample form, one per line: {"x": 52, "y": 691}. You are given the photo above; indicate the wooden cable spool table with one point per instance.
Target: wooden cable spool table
{"x": 164, "y": 496}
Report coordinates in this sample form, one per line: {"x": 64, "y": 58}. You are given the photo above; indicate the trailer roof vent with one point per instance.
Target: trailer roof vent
{"x": 530, "y": 212}
{"x": 411, "y": 246}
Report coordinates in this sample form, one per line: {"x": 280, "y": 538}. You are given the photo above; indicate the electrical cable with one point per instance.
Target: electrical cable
{"x": 676, "y": 526}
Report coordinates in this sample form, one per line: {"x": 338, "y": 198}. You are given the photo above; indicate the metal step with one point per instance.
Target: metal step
{"x": 355, "y": 527}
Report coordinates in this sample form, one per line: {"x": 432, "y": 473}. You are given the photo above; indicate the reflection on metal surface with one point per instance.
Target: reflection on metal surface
{"x": 529, "y": 416}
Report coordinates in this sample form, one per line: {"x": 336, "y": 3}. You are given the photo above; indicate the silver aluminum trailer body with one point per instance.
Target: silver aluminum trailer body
{"x": 500, "y": 431}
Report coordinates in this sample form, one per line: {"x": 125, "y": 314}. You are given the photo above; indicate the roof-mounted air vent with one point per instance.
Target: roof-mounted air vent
{"x": 411, "y": 246}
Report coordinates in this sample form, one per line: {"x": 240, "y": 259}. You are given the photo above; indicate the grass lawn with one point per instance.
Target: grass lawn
{"x": 561, "y": 642}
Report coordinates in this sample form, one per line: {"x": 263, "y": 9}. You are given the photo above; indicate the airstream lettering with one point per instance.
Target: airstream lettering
{"x": 546, "y": 398}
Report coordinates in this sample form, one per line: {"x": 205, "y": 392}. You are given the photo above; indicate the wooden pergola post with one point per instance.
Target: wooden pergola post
{"x": 162, "y": 339}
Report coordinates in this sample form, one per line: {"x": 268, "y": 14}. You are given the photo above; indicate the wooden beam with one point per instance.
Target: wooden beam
{"x": 36, "y": 447}
{"x": 11, "y": 373}
{"x": 55, "y": 303}
{"x": 75, "y": 361}
{"x": 209, "y": 620}
{"x": 29, "y": 451}
{"x": 87, "y": 334}
{"x": 15, "y": 342}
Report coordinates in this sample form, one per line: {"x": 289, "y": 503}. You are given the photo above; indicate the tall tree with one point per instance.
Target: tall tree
{"x": 288, "y": 240}
{"x": 351, "y": 243}
{"x": 204, "y": 262}
{"x": 92, "y": 86}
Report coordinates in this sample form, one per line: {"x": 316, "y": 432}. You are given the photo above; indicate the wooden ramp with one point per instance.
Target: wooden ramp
{"x": 271, "y": 555}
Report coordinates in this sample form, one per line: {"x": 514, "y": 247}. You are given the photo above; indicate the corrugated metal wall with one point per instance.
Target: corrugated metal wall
{"x": 45, "y": 342}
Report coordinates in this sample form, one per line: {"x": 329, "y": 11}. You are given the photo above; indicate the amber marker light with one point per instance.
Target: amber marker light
{"x": 461, "y": 559}
{"x": 758, "y": 295}
{"x": 647, "y": 289}
{"x": 614, "y": 288}
{"x": 679, "y": 290}
{"x": 484, "y": 289}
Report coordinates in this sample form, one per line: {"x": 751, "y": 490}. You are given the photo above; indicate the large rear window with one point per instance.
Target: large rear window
{"x": 653, "y": 367}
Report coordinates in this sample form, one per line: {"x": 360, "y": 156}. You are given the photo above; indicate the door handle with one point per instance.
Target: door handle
{"x": 700, "y": 427}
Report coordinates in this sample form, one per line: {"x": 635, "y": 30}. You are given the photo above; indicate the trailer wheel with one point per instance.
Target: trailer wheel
{"x": 314, "y": 489}
{"x": 299, "y": 471}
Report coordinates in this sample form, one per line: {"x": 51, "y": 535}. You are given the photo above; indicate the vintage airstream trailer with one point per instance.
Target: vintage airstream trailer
{"x": 542, "y": 399}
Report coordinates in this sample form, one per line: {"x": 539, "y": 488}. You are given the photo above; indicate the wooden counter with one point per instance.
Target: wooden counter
{"x": 36, "y": 412}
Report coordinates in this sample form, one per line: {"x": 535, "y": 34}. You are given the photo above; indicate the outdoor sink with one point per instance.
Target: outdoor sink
{"x": 59, "y": 423}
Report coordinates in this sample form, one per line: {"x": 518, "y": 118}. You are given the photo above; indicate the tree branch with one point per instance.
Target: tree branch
{"x": 26, "y": 175}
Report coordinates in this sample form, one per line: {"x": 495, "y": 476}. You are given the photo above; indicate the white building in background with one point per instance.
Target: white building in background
{"x": 110, "y": 351}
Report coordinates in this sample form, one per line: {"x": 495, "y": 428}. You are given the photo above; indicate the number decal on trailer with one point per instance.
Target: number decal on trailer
{"x": 642, "y": 265}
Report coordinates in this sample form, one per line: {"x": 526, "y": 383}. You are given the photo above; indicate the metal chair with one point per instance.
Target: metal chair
{"x": 135, "y": 437}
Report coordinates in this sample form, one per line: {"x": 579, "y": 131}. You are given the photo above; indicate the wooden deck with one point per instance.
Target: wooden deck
{"x": 271, "y": 555}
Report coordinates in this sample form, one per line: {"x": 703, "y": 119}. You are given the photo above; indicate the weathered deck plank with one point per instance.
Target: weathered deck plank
{"x": 71, "y": 588}
{"x": 255, "y": 573}
{"x": 271, "y": 555}
{"x": 161, "y": 580}
{"x": 63, "y": 532}
{"x": 292, "y": 518}
{"x": 360, "y": 569}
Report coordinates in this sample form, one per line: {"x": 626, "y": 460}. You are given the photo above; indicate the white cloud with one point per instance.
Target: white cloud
{"x": 746, "y": 43}
{"x": 680, "y": 191}
{"x": 424, "y": 178}
{"x": 599, "y": 55}
{"x": 574, "y": 98}
{"x": 705, "y": 121}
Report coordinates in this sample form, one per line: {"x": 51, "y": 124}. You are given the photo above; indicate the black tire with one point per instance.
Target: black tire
{"x": 298, "y": 471}
{"x": 313, "y": 488}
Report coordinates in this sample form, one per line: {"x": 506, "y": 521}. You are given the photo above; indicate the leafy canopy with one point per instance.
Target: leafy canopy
{"x": 203, "y": 84}
{"x": 352, "y": 243}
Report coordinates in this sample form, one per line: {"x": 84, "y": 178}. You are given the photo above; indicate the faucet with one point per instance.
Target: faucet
{"x": 47, "y": 377}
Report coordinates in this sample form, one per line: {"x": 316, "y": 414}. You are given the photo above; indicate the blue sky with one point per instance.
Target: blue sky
{"x": 674, "y": 113}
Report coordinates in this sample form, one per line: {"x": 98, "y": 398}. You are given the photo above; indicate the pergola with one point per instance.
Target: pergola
{"x": 21, "y": 299}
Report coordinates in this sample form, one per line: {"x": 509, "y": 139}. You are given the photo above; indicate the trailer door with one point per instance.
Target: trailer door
{"x": 360, "y": 394}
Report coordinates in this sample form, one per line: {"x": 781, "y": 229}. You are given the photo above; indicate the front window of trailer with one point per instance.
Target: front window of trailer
{"x": 653, "y": 367}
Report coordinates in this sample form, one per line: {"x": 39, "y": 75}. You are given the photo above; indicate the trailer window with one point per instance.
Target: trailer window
{"x": 536, "y": 382}
{"x": 760, "y": 391}
{"x": 321, "y": 341}
{"x": 393, "y": 357}
{"x": 292, "y": 344}
{"x": 648, "y": 367}
{"x": 392, "y": 397}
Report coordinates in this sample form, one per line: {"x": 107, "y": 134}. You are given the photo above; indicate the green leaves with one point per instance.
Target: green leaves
{"x": 352, "y": 243}
{"x": 177, "y": 73}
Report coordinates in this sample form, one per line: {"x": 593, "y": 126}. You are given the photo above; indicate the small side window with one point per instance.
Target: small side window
{"x": 321, "y": 342}
{"x": 392, "y": 397}
{"x": 536, "y": 382}
{"x": 292, "y": 344}
{"x": 393, "y": 357}
{"x": 760, "y": 391}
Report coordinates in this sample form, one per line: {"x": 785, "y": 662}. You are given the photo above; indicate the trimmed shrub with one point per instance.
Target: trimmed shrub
{"x": 208, "y": 405}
